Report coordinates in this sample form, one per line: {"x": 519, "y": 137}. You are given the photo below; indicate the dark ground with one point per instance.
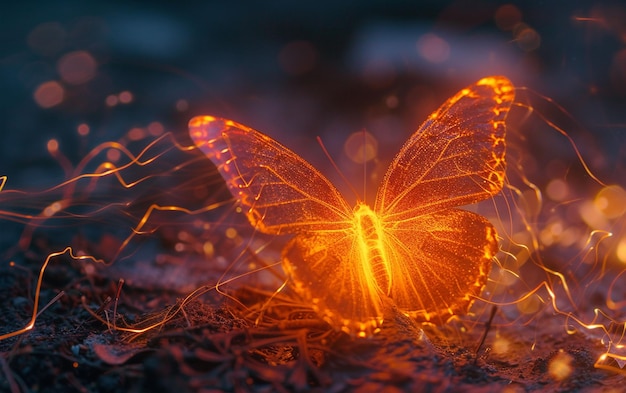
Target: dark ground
{"x": 245, "y": 62}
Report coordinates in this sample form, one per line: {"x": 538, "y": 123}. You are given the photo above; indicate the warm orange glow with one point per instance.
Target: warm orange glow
{"x": 501, "y": 345}
{"x": 53, "y": 146}
{"x": 611, "y": 201}
{"x": 209, "y": 249}
{"x": 560, "y": 367}
{"x": 49, "y": 94}
{"x": 77, "y": 67}
{"x": 231, "y": 233}
{"x": 557, "y": 190}
{"x": 413, "y": 250}
{"x": 621, "y": 250}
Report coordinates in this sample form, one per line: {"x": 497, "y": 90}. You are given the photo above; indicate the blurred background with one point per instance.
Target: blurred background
{"x": 81, "y": 73}
{"x": 76, "y": 74}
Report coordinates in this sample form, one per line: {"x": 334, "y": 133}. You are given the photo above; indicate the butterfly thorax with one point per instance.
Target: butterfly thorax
{"x": 370, "y": 243}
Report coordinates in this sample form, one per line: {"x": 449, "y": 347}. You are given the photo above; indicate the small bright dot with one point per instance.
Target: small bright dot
{"x": 83, "y": 129}
{"x": 75, "y": 364}
{"x": 77, "y": 67}
{"x": 53, "y": 146}
{"x": 231, "y": 233}
{"x": 209, "y": 249}
{"x": 111, "y": 100}
{"x": 49, "y": 94}
{"x": 125, "y": 97}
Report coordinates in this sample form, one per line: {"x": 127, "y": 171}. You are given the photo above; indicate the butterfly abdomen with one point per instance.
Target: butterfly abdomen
{"x": 370, "y": 244}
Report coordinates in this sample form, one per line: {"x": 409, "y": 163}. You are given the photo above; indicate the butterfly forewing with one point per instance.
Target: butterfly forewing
{"x": 281, "y": 192}
{"x": 455, "y": 158}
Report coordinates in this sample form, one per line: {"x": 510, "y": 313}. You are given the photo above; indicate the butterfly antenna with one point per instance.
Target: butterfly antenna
{"x": 364, "y": 151}
{"x": 343, "y": 177}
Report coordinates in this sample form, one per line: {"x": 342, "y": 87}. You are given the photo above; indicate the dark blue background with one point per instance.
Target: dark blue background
{"x": 222, "y": 58}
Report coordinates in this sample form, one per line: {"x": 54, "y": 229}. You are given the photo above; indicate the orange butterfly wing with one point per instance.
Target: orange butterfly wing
{"x": 282, "y": 192}
{"x": 441, "y": 262}
{"x": 455, "y": 158}
{"x": 327, "y": 269}
{"x": 441, "y": 257}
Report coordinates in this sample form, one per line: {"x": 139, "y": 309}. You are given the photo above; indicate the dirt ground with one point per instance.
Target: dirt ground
{"x": 214, "y": 344}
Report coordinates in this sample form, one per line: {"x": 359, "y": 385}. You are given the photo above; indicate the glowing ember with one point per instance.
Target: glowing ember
{"x": 413, "y": 250}
{"x": 560, "y": 366}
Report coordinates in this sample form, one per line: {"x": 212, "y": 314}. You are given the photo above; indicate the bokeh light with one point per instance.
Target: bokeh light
{"x": 76, "y": 68}
{"x": 49, "y": 94}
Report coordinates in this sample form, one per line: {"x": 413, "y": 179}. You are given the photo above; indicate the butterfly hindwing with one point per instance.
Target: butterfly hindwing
{"x": 281, "y": 191}
{"x": 441, "y": 262}
{"x": 455, "y": 158}
{"x": 327, "y": 269}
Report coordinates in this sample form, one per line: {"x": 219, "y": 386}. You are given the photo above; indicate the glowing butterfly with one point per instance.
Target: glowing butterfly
{"x": 413, "y": 250}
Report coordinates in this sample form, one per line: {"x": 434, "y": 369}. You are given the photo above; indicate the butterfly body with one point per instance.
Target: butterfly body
{"x": 370, "y": 241}
{"x": 413, "y": 250}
